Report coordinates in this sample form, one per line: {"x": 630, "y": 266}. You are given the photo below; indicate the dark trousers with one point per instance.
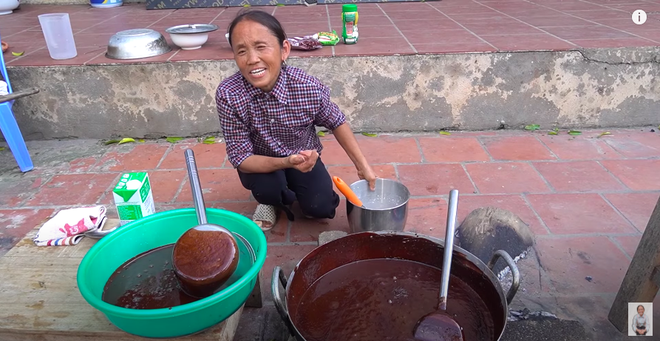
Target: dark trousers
{"x": 281, "y": 188}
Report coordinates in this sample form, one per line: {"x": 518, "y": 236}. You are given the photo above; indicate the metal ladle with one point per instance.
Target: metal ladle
{"x": 206, "y": 255}
{"x": 439, "y": 325}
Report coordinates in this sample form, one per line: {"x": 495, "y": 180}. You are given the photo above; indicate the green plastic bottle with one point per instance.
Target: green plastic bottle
{"x": 349, "y": 16}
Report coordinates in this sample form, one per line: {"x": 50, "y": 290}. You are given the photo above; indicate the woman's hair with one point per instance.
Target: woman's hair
{"x": 260, "y": 17}
{"x": 640, "y": 306}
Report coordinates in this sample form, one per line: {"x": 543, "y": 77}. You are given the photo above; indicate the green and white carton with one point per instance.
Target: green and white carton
{"x": 133, "y": 197}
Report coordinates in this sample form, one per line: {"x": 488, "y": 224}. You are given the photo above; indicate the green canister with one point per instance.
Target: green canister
{"x": 349, "y": 16}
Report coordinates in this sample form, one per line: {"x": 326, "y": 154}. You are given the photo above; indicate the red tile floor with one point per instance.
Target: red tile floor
{"x": 432, "y": 27}
{"x": 586, "y": 198}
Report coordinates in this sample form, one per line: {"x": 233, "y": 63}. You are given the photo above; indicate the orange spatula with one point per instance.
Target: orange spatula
{"x": 347, "y": 191}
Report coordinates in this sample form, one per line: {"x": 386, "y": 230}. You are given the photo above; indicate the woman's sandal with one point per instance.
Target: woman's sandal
{"x": 265, "y": 216}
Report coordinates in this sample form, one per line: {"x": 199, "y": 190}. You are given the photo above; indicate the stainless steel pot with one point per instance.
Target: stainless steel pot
{"x": 385, "y": 209}
{"x": 393, "y": 245}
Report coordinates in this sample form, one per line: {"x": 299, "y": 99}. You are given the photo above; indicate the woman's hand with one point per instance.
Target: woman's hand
{"x": 366, "y": 173}
{"x": 303, "y": 161}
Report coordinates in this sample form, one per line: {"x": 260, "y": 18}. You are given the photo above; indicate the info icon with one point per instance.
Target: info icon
{"x": 639, "y": 17}
{"x": 640, "y": 319}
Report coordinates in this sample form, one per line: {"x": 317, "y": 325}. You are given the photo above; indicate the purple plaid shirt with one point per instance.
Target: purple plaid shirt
{"x": 279, "y": 123}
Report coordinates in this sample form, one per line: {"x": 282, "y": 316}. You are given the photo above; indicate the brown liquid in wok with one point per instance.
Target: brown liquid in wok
{"x": 382, "y": 299}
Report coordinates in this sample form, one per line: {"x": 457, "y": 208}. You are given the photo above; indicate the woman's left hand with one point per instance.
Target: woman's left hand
{"x": 366, "y": 173}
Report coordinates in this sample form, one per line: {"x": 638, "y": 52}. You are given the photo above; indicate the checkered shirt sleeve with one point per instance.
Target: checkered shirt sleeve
{"x": 329, "y": 115}
{"x": 236, "y": 134}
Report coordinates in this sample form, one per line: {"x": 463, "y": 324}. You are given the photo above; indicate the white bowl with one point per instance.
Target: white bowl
{"x": 8, "y": 6}
{"x": 190, "y": 37}
{"x": 189, "y": 41}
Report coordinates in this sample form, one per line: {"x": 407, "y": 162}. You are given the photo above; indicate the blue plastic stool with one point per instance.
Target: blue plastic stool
{"x": 10, "y": 130}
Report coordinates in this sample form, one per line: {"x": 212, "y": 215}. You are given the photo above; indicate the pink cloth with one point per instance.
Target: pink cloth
{"x": 68, "y": 226}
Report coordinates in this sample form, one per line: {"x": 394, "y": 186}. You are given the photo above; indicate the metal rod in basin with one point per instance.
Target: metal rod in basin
{"x": 195, "y": 186}
{"x": 449, "y": 247}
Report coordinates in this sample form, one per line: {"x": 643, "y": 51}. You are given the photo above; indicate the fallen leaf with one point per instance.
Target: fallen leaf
{"x": 18, "y": 54}
{"x": 126, "y": 140}
{"x": 174, "y": 139}
{"x": 320, "y": 133}
{"x": 246, "y": 5}
{"x": 2, "y": 148}
{"x": 111, "y": 142}
{"x": 552, "y": 132}
{"x": 442, "y": 132}
{"x": 532, "y": 127}
{"x": 141, "y": 140}
{"x": 280, "y": 5}
{"x": 574, "y": 132}
{"x": 209, "y": 140}
{"x": 370, "y": 134}
{"x": 604, "y": 133}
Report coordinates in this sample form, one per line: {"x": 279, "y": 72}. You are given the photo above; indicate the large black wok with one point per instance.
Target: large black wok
{"x": 393, "y": 245}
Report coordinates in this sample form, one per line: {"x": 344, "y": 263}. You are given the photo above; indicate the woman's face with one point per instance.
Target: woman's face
{"x": 258, "y": 54}
{"x": 640, "y": 310}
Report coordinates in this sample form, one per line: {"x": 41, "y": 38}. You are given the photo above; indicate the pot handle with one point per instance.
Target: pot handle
{"x": 278, "y": 277}
{"x": 514, "y": 271}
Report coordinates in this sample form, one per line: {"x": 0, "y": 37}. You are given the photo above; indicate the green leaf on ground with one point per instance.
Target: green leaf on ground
{"x": 126, "y": 140}
{"x": 174, "y": 139}
{"x": 209, "y": 140}
{"x": 574, "y": 132}
{"x": 2, "y": 148}
{"x": 18, "y": 54}
{"x": 532, "y": 127}
{"x": 247, "y": 5}
{"x": 442, "y": 132}
{"x": 320, "y": 133}
{"x": 111, "y": 142}
{"x": 554, "y": 131}
{"x": 370, "y": 134}
{"x": 604, "y": 133}
{"x": 280, "y": 5}
{"x": 141, "y": 140}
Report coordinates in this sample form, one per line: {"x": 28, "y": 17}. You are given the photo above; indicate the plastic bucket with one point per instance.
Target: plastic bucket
{"x": 58, "y": 34}
{"x": 105, "y": 3}
{"x": 160, "y": 229}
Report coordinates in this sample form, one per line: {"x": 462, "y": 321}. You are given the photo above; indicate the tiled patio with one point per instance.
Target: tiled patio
{"x": 586, "y": 198}
{"x": 433, "y": 27}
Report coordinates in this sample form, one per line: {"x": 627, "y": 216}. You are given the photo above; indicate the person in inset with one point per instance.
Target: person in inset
{"x": 639, "y": 322}
{"x": 268, "y": 112}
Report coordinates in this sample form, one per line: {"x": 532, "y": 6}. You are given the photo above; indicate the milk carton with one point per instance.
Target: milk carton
{"x": 133, "y": 197}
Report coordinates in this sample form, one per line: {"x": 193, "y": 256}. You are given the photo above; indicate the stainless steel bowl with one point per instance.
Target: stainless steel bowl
{"x": 385, "y": 209}
{"x": 137, "y": 43}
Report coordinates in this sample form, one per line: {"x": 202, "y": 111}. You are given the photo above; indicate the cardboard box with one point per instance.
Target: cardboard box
{"x": 133, "y": 197}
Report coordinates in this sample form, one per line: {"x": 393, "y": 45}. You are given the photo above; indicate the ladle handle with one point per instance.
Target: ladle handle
{"x": 449, "y": 247}
{"x": 195, "y": 186}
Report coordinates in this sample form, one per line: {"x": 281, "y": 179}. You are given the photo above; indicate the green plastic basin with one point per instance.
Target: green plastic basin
{"x": 157, "y": 230}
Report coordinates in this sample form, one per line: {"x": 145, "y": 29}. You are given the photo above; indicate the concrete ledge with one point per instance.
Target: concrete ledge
{"x": 475, "y": 91}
